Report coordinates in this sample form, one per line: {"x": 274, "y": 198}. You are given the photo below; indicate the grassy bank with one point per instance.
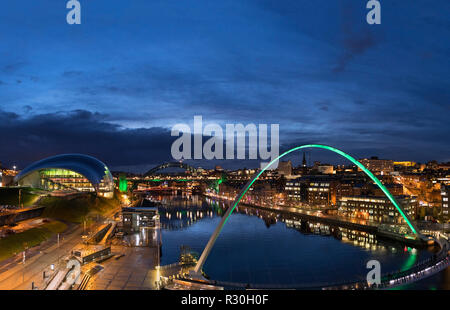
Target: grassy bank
{"x": 13, "y": 244}
{"x": 10, "y": 196}
{"x": 77, "y": 209}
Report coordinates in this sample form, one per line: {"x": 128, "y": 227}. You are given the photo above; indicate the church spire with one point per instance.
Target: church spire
{"x": 304, "y": 165}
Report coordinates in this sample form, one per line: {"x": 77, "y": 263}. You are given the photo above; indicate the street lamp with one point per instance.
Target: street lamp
{"x": 23, "y": 261}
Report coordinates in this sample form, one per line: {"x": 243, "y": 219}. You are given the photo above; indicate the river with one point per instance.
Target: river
{"x": 261, "y": 247}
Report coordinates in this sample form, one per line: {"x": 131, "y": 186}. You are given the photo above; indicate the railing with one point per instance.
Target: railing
{"x": 168, "y": 266}
{"x": 84, "y": 282}
{"x": 424, "y": 269}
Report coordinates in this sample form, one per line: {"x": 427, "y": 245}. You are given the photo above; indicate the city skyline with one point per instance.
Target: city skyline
{"x": 183, "y": 148}
{"x": 319, "y": 70}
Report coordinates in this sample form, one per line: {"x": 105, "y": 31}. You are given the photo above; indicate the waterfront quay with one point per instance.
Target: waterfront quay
{"x": 439, "y": 262}
{"x": 123, "y": 248}
{"x": 132, "y": 268}
{"x": 318, "y": 216}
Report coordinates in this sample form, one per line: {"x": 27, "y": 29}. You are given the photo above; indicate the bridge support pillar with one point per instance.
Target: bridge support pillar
{"x": 195, "y": 275}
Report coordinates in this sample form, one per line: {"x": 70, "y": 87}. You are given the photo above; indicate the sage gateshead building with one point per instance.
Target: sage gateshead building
{"x": 68, "y": 173}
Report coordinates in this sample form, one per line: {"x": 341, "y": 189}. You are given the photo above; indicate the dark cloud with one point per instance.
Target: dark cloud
{"x": 324, "y": 105}
{"x": 30, "y": 139}
{"x": 71, "y": 73}
{"x": 231, "y": 62}
{"x": 81, "y": 131}
{"x": 354, "y": 45}
{"x": 13, "y": 67}
{"x": 355, "y": 40}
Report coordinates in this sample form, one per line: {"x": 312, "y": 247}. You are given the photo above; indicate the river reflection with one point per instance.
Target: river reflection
{"x": 146, "y": 237}
{"x": 264, "y": 247}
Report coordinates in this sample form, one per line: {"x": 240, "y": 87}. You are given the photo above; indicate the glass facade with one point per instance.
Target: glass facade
{"x": 56, "y": 179}
{"x": 69, "y": 174}
{"x": 377, "y": 209}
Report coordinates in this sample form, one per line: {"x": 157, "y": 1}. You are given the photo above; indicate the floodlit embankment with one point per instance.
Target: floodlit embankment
{"x": 77, "y": 209}
{"x": 16, "y": 243}
{"x": 11, "y": 196}
{"x": 61, "y": 210}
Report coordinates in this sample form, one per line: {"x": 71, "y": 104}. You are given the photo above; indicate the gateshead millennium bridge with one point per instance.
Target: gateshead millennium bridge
{"x": 212, "y": 240}
{"x": 439, "y": 262}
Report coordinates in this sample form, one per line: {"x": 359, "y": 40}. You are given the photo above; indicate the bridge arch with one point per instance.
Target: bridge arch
{"x": 247, "y": 186}
{"x": 170, "y": 165}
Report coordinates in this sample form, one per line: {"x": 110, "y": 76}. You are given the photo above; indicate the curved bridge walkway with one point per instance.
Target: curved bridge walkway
{"x": 425, "y": 269}
{"x": 196, "y": 273}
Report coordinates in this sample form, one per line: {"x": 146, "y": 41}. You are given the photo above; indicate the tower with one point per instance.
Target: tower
{"x": 304, "y": 166}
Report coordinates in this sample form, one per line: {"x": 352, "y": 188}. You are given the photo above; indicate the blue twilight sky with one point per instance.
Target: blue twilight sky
{"x": 113, "y": 86}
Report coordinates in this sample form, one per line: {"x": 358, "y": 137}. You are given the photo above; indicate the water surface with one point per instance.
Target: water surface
{"x": 261, "y": 247}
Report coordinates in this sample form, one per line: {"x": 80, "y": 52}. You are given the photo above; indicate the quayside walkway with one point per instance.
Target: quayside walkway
{"x": 425, "y": 269}
{"x": 315, "y": 215}
{"x": 311, "y": 215}
{"x": 419, "y": 272}
{"x": 422, "y": 270}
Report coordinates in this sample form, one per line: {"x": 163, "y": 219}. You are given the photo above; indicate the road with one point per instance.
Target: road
{"x": 294, "y": 210}
{"x": 19, "y": 276}
{"x": 16, "y": 275}
{"x": 133, "y": 271}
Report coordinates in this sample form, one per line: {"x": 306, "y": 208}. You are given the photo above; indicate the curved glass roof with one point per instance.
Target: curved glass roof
{"x": 91, "y": 168}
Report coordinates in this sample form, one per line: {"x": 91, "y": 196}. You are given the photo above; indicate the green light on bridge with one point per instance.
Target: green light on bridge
{"x": 228, "y": 213}
{"x": 350, "y": 158}
{"x": 123, "y": 184}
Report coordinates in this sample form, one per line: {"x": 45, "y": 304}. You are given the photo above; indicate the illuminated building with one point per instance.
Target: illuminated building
{"x": 445, "y": 195}
{"x": 368, "y": 189}
{"x": 7, "y": 177}
{"x": 316, "y": 190}
{"x": 134, "y": 219}
{"x": 285, "y": 168}
{"x": 377, "y": 208}
{"x": 444, "y": 166}
{"x": 292, "y": 190}
{"x": 90, "y": 253}
{"x": 405, "y": 163}
{"x": 68, "y": 173}
{"x": 378, "y": 166}
{"x": 325, "y": 169}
